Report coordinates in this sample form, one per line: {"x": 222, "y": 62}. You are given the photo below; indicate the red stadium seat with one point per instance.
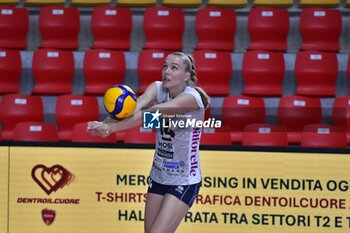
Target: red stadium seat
{"x": 263, "y": 73}
{"x": 72, "y": 109}
{"x": 164, "y": 27}
{"x": 102, "y": 70}
{"x": 35, "y": 132}
{"x": 214, "y": 70}
{"x": 120, "y": 136}
{"x": 80, "y": 134}
{"x": 238, "y": 111}
{"x": 341, "y": 113}
{"x": 215, "y": 138}
{"x": 297, "y": 111}
{"x": 207, "y": 113}
{"x": 316, "y": 73}
{"x": 53, "y": 71}
{"x": 211, "y": 22}
{"x": 14, "y": 26}
{"x": 149, "y": 67}
{"x": 264, "y": 135}
{"x": 320, "y": 29}
{"x": 111, "y": 27}
{"x": 10, "y": 71}
{"x": 59, "y": 27}
{"x": 323, "y": 136}
{"x": 138, "y": 135}
{"x": 15, "y": 108}
{"x": 268, "y": 28}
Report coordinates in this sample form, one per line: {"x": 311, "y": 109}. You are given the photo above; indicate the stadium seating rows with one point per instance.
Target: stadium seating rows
{"x": 238, "y": 111}
{"x": 244, "y": 122}
{"x": 181, "y": 3}
{"x": 164, "y": 27}
{"x": 263, "y": 72}
{"x": 340, "y": 114}
{"x": 269, "y": 56}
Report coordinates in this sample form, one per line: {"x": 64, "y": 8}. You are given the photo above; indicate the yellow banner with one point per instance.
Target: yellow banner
{"x": 75, "y": 190}
{"x": 254, "y": 192}
{"x": 4, "y": 153}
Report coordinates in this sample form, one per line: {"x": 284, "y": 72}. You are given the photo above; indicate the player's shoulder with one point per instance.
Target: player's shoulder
{"x": 192, "y": 91}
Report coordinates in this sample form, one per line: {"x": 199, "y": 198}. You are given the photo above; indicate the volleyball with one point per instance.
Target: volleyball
{"x": 120, "y": 101}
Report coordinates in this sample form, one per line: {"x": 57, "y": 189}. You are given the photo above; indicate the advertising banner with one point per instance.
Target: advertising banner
{"x": 4, "y": 153}
{"x": 75, "y": 190}
{"x": 254, "y": 192}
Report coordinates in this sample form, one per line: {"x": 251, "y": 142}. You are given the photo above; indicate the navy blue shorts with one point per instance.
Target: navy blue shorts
{"x": 186, "y": 193}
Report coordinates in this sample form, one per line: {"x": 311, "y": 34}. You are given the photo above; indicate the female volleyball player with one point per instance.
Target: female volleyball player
{"x": 175, "y": 174}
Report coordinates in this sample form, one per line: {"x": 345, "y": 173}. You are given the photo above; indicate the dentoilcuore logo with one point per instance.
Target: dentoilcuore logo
{"x": 50, "y": 179}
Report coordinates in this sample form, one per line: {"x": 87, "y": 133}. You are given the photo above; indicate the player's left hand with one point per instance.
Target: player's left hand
{"x": 98, "y": 128}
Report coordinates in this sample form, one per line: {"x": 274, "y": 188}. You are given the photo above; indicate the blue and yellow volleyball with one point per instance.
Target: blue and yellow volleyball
{"x": 120, "y": 101}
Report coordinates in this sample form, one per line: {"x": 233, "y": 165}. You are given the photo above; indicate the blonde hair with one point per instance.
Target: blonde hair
{"x": 189, "y": 63}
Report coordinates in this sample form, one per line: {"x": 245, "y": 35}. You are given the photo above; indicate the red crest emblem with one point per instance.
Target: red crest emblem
{"x": 48, "y": 216}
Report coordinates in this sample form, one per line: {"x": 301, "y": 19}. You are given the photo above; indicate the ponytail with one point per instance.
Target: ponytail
{"x": 205, "y": 97}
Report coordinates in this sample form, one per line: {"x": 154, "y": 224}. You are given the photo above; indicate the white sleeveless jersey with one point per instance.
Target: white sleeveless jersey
{"x": 176, "y": 158}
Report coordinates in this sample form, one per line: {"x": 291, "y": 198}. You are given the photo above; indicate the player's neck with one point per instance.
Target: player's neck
{"x": 175, "y": 91}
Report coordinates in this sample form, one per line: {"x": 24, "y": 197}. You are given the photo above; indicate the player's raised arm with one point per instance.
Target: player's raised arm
{"x": 182, "y": 103}
{"x": 148, "y": 98}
